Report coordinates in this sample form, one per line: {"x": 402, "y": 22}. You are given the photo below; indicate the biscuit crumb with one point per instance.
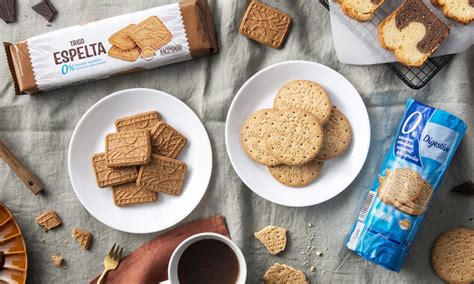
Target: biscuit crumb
{"x": 57, "y": 260}
{"x": 312, "y": 269}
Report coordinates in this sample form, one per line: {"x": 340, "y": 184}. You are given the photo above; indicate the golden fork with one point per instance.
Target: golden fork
{"x": 111, "y": 261}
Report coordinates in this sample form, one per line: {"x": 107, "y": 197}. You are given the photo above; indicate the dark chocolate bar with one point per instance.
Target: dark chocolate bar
{"x": 7, "y": 10}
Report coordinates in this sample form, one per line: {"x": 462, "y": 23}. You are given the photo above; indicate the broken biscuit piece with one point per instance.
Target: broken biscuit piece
{"x": 48, "y": 220}
{"x": 281, "y": 273}
{"x": 57, "y": 260}
{"x": 273, "y": 238}
{"x": 83, "y": 237}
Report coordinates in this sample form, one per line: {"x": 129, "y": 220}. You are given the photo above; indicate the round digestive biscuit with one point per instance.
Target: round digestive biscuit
{"x": 452, "y": 256}
{"x": 337, "y": 136}
{"x": 294, "y": 136}
{"x": 252, "y": 138}
{"x": 306, "y": 95}
{"x": 297, "y": 176}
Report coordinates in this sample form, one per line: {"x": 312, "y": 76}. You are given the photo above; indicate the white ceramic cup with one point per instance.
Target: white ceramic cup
{"x": 178, "y": 252}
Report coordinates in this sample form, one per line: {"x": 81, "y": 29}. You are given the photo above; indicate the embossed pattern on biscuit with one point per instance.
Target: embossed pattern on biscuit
{"x": 296, "y": 176}
{"x": 294, "y": 136}
{"x": 406, "y": 190}
{"x": 273, "y": 238}
{"x": 163, "y": 174}
{"x": 122, "y": 39}
{"x": 83, "y": 237}
{"x": 130, "y": 194}
{"x": 107, "y": 176}
{"x": 265, "y": 24}
{"x": 337, "y": 136}
{"x": 130, "y": 148}
{"x": 306, "y": 95}
{"x": 151, "y": 33}
{"x": 452, "y": 256}
{"x": 166, "y": 141}
{"x": 127, "y": 55}
{"x": 141, "y": 121}
{"x": 48, "y": 220}
{"x": 252, "y": 137}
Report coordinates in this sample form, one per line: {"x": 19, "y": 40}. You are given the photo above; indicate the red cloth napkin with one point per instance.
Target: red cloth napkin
{"x": 149, "y": 263}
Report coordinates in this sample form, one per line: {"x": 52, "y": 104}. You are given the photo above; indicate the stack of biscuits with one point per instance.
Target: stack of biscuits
{"x": 405, "y": 189}
{"x": 296, "y": 136}
{"x": 140, "y": 160}
{"x": 140, "y": 40}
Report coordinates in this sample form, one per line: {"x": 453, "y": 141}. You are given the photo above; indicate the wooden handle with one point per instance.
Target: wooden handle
{"x": 29, "y": 179}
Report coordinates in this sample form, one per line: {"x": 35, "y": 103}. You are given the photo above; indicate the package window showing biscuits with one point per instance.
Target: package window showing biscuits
{"x": 414, "y": 166}
{"x": 124, "y": 44}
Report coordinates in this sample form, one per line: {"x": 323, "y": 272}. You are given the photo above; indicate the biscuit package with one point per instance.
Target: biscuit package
{"x": 413, "y": 168}
{"x": 124, "y": 44}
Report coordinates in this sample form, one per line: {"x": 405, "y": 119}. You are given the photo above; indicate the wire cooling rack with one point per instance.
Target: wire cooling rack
{"x": 413, "y": 77}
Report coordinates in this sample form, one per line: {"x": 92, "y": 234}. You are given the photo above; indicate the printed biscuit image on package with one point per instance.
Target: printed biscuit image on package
{"x": 139, "y": 40}
{"x": 406, "y": 190}
{"x": 413, "y": 168}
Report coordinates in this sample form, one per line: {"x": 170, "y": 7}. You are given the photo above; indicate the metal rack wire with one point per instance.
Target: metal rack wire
{"x": 413, "y": 77}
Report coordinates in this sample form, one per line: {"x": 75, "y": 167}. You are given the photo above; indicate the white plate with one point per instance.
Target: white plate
{"x": 88, "y": 138}
{"x": 258, "y": 92}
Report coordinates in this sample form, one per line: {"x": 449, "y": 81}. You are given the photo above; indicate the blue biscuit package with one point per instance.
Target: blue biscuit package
{"x": 413, "y": 168}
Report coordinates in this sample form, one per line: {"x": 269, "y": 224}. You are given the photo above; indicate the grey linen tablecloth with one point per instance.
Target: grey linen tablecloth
{"x": 38, "y": 129}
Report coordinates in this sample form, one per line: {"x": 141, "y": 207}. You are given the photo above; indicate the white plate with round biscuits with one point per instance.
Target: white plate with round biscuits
{"x": 88, "y": 139}
{"x": 258, "y": 93}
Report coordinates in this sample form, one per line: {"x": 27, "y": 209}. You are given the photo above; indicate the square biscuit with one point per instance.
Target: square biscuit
{"x": 131, "y": 148}
{"x": 107, "y": 176}
{"x": 126, "y": 55}
{"x": 141, "y": 121}
{"x": 265, "y": 24}
{"x": 122, "y": 39}
{"x": 166, "y": 141}
{"x": 163, "y": 174}
{"x": 151, "y": 33}
{"x": 130, "y": 194}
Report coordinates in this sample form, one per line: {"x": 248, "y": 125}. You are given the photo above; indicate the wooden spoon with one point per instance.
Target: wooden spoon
{"x": 26, "y": 176}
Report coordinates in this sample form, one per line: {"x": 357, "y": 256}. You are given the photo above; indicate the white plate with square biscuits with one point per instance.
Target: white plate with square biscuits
{"x": 143, "y": 214}
{"x": 274, "y": 144}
